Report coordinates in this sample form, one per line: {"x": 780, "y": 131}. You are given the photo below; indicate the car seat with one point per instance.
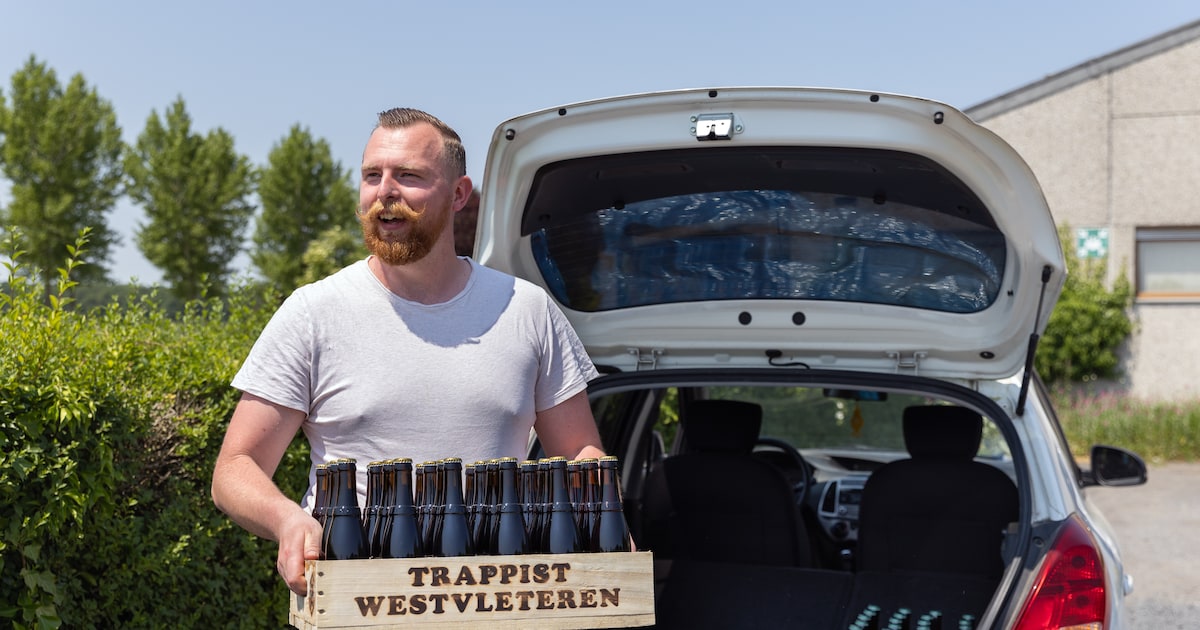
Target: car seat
{"x": 939, "y": 510}
{"x": 715, "y": 502}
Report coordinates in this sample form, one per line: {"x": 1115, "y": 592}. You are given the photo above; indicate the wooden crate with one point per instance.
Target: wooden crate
{"x": 584, "y": 590}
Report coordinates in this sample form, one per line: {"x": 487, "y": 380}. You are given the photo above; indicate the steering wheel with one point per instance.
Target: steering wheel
{"x": 801, "y": 487}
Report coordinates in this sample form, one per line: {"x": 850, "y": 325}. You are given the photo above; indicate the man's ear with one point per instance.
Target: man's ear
{"x": 462, "y": 192}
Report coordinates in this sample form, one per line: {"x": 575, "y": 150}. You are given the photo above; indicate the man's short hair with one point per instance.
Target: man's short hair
{"x": 452, "y": 148}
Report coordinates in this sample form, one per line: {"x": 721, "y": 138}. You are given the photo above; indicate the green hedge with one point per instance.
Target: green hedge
{"x": 110, "y": 421}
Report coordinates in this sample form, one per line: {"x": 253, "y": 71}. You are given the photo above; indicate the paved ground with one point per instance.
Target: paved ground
{"x": 1158, "y": 529}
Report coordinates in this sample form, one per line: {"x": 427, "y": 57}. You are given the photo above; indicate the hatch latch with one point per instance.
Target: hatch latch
{"x": 713, "y": 126}
{"x": 647, "y": 361}
{"x": 907, "y": 360}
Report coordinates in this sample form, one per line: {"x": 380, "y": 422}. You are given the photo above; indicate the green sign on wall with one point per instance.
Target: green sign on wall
{"x": 1091, "y": 242}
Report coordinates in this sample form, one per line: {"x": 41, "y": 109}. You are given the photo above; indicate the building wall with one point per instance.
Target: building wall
{"x": 1121, "y": 150}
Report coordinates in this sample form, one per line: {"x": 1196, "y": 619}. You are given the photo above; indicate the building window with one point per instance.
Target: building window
{"x": 1168, "y": 263}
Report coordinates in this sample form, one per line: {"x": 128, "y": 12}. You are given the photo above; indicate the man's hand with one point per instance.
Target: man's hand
{"x": 299, "y": 540}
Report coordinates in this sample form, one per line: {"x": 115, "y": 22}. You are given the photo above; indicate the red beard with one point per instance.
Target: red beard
{"x": 425, "y": 228}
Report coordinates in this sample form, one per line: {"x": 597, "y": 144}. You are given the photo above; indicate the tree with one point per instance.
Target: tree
{"x": 194, "y": 191}
{"x": 304, "y": 193}
{"x": 62, "y": 154}
{"x": 333, "y": 249}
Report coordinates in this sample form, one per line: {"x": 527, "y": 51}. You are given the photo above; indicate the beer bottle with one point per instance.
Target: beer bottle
{"x": 470, "y": 493}
{"x": 529, "y": 498}
{"x": 437, "y": 494}
{"x": 543, "y": 506}
{"x": 372, "y": 523}
{"x": 478, "y": 493}
{"x": 590, "y": 503}
{"x": 612, "y": 531}
{"x": 321, "y": 497}
{"x": 454, "y": 537}
{"x": 326, "y": 505}
{"x": 428, "y": 505}
{"x": 510, "y": 536}
{"x": 419, "y": 494}
{"x": 386, "y": 501}
{"x": 492, "y": 501}
{"x": 403, "y": 539}
{"x": 574, "y": 481}
{"x": 344, "y": 537}
{"x": 561, "y": 532}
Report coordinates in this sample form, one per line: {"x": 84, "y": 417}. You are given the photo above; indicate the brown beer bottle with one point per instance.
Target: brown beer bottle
{"x": 590, "y": 503}
{"x": 437, "y": 494}
{"x": 491, "y": 499}
{"x": 611, "y": 532}
{"x": 372, "y": 517}
{"x": 343, "y": 533}
{"x": 325, "y": 495}
{"x": 403, "y": 538}
{"x": 453, "y": 536}
{"x": 387, "y": 498}
{"x": 575, "y": 482}
{"x": 529, "y": 498}
{"x": 321, "y": 498}
{"x": 561, "y": 531}
{"x": 510, "y": 536}
{"x": 470, "y": 493}
{"x": 427, "y": 506}
{"x": 575, "y": 490}
{"x": 481, "y": 509}
{"x": 542, "y": 505}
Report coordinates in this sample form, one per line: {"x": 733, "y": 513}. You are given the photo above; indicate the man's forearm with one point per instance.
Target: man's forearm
{"x": 243, "y": 492}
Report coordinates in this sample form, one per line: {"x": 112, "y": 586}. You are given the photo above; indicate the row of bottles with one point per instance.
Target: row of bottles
{"x": 871, "y": 618}
{"x": 498, "y": 507}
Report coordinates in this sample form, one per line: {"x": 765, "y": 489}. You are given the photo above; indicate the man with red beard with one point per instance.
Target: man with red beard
{"x": 413, "y": 352}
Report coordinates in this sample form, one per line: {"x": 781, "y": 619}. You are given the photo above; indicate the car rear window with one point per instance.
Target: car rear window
{"x": 777, "y": 223}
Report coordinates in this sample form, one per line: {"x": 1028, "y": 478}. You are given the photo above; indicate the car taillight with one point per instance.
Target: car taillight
{"x": 1070, "y": 591}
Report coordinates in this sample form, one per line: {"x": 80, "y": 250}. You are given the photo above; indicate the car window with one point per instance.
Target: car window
{"x": 765, "y": 224}
{"x": 823, "y": 419}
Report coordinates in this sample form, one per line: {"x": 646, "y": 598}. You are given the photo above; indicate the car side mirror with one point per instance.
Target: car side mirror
{"x": 1114, "y": 466}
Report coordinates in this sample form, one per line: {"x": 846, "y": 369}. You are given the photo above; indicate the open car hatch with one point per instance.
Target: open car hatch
{"x": 791, "y": 227}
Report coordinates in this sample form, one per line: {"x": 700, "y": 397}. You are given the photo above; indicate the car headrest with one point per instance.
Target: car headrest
{"x": 942, "y": 432}
{"x": 722, "y": 426}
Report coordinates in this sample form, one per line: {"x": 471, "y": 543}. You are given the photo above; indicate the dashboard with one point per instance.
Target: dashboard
{"x": 838, "y": 505}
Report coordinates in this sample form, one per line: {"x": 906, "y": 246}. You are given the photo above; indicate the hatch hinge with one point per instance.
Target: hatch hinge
{"x": 907, "y": 360}
{"x": 646, "y": 361}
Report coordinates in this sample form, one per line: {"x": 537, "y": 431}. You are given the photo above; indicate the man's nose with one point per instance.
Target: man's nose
{"x": 388, "y": 190}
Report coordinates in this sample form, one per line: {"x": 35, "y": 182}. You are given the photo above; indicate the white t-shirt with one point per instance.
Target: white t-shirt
{"x": 382, "y": 377}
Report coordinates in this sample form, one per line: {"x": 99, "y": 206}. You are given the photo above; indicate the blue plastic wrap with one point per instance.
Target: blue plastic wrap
{"x": 768, "y": 244}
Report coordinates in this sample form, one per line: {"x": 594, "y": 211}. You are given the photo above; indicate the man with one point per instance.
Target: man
{"x": 413, "y": 352}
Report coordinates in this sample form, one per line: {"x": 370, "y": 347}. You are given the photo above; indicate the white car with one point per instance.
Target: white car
{"x": 815, "y": 313}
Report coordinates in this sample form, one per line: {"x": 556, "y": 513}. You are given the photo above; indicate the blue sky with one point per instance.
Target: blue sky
{"x": 256, "y": 68}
